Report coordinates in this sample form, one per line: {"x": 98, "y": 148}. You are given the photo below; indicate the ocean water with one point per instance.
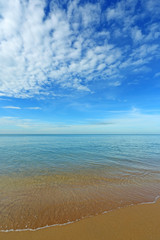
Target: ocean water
{"x": 56, "y": 179}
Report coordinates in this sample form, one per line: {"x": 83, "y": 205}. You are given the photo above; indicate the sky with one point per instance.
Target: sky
{"x": 80, "y": 66}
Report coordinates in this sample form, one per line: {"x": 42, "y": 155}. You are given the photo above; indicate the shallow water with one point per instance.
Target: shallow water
{"x": 55, "y": 179}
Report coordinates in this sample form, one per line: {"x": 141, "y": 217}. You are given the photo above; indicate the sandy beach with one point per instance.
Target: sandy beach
{"x": 140, "y": 222}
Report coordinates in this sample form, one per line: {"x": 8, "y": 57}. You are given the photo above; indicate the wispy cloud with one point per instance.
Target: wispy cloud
{"x": 137, "y": 35}
{"x": 157, "y": 74}
{"x": 115, "y": 84}
{"x": 15, "y": 107}
{"x": 11, "y": 107}
{"x": 33, "y": 108}
{"x": 129, "y": 121}
{"x": 72, "y": 47}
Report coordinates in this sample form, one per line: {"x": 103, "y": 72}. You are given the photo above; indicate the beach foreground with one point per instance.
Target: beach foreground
{"x": 140, "y": 222}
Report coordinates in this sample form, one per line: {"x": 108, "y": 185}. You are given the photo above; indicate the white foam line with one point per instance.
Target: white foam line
{"x": 77, "y": 220}
{"x": 33, "y": 230}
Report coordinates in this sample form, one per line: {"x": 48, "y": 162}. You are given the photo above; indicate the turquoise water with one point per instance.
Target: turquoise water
{"x": 66, "y": 174}
{"x": 35, "y": 153}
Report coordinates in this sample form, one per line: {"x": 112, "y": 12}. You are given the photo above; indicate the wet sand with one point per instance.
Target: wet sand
{"x": 140, "y": 222}
{"x": 37, "y": 201}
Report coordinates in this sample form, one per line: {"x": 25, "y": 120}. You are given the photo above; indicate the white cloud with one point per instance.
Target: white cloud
{"x": 153, "y": 32}
{"x": 11, "y": 107}
{"x": 153, "y": 7}
{"x": 157, "y": 74}
{"x": 15, "y": 107}
{"x": 35, "y": 53}
{"x": 132, "y": 121}
{"x": 140, "y": 56}
{"x": 116, "y": 12}
{"x": 39, "y": 53}
{"x": 137, "y": 34}
{"x": 115, "y": 84}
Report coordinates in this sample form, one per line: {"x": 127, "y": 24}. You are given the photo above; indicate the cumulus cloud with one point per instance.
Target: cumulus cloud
{"x": 70, "y": 47}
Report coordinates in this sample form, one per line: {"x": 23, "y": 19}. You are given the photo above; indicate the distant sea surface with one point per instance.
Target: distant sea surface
{"x": 57, "y": 179}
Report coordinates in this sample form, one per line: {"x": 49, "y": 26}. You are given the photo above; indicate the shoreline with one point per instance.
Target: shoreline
{"x": 136, "y": 222}
{"x": 71, "y": 222}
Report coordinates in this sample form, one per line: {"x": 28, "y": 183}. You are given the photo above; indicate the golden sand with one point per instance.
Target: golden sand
{"x": 140, "y": 222}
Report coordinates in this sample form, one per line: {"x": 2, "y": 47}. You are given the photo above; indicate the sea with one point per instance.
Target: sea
{"x": 48, "y": 180}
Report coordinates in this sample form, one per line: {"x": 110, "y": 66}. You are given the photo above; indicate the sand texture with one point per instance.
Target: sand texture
{"x": 140, "y": 222}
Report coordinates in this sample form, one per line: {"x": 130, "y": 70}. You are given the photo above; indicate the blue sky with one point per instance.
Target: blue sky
{"x": 80, "y": 66}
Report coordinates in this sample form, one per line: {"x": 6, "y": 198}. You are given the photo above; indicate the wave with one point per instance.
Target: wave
{"x": 77, "y": 220}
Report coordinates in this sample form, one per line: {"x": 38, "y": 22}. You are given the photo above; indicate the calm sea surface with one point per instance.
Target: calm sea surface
{"x": 56, "y": 179}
